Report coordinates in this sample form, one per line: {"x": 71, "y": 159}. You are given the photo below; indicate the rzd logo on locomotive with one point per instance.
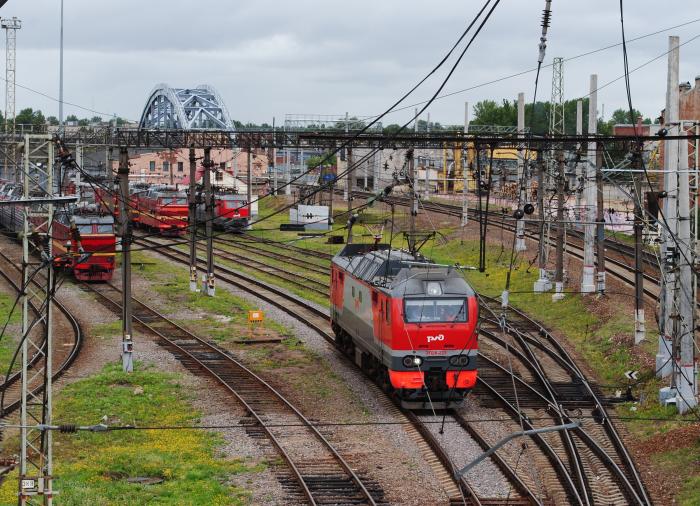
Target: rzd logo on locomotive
{"x": 439, "y": 337}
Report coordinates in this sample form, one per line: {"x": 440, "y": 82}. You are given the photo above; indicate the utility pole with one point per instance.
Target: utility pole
{"x": 60, "y": 77}
{"x": 559, "y": 269}
{"x": 639, "y": 323}
{"x": 127, "y": 331}
{"x": 685, "y": 374}
{"x": 465, "y": 189}
{"x": 587, "y": 280}
{"x": 414, "y": 203}
{"x": 288, "y": 186}
{"x": 349, "y": 178}
{"x": 11, "y": 25}
{"x": 522, "y": 193}
{"x": 346, "y": 191}
{"x": 249, "y": 191}
{"x": 208, "y": 281}
{"x": 600, "y": 227}
{"x": 669, "y": 253}
{"x": 273, "y": 161}
{"x": 543, "y": 283}
{"x": 192, "y": 198}
{"x": 578, "y": 176}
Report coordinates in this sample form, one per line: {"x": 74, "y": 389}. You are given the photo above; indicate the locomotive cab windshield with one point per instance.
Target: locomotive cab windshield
{"x": 435, "y": 310}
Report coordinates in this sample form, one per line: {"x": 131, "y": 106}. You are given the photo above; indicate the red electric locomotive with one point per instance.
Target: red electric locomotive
{"x": 161, "y": 208}
{"x": 409, "y": 323}
{"x": 230, "y": 212}
{"x": 84, "y": 242}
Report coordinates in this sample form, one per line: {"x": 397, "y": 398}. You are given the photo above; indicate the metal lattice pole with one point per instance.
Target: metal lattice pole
{"x": 11, "y": 26}
{"x": 36, "y": 467}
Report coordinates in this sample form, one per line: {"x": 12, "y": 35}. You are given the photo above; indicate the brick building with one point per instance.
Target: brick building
{"x": 173, "y": 166}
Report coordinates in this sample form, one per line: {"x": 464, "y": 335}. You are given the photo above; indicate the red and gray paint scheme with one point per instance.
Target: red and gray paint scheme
{"x": 409, "y": 323}
{"x": 84, "y": 242}
{"x": 163, "y": 209}
{"x": 230, "y": 211}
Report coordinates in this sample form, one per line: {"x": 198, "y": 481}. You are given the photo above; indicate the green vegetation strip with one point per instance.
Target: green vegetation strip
{"x": 100, "y": 468}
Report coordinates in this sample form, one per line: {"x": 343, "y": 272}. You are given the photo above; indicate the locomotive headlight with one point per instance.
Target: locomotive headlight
{"x": 459, "y": 360}
{"x": 412, "y": 361}
{"x": 433, "y": 288}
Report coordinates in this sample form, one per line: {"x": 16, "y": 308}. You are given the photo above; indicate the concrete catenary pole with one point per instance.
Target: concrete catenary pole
{"x": 273, "y": 161}
{"x": 600, "y": 226}
{"x": 579, "y": 166}
{"x": 589, "y": 188}
{"x": 127, "y": 335}
{"x": 192, "y": 202}
{"x": 684, "y": 370}
{"x": 249, "y": 184}
{"x": 522, "y": 192}
{"x": 543, "y": 283}
{"x": 559, "y": 264}
{"x": 348, "y": 175}
{"x": 664, "y": 364}
{"x": 465, "y": 184}
{"x": 208, "y": 280}
{"x": 639, "y": 323}
{"x": 414, "y": 203}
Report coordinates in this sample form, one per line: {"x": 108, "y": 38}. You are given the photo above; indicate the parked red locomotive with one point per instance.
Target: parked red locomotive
{"x": 230, "y": 212}
{"x": 409, "y": 323}
{"x": 84, "y": 242}
{"x": 83, "y": 239}
{"x": 160, "y": 208}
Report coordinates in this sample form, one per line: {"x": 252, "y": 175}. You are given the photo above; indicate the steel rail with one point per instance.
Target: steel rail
{"x": 222, "y": 355}
{"x": 73, "y": 352}
{"x": 636, "y": 489}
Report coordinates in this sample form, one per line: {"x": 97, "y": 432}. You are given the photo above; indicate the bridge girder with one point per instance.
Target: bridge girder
{"x": 198, "y": 108}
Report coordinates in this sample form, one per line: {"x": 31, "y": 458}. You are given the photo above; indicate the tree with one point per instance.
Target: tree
{"x": 72, "y": 117}
{"x": 391, "y": 129}
{"x": 83, "y": 122}
{"x": 96, "y": 119}
{"x": 52, "y": 120}
{"x": 29, "y": 116}
{"x": 315, "y": 161}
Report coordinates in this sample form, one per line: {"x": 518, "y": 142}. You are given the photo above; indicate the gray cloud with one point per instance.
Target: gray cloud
{"x": 268, "y": 58}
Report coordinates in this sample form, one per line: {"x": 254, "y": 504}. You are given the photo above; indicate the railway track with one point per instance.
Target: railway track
{"x": 589, "y": 467}
{"x": 66, "y": 345}
{"x": 318, "y": 473}
{"x": 619, "y": 266}
{"x": 459, "y": 491}
{"x": 552, "y": 386}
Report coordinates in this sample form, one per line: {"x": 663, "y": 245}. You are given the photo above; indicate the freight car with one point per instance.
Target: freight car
{"x": 409, "y": 323}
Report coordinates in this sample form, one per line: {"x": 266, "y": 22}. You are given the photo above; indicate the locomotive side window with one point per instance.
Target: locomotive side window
{"x": 353, "y": 291}
{"x": 435, "y": 310}
{"x": 105, "y": 228}
{"x": 387, "y": 311}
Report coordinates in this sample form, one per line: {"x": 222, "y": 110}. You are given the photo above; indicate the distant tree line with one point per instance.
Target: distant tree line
{"x": 29, "y": 116}
{"x": 489, "y": 112}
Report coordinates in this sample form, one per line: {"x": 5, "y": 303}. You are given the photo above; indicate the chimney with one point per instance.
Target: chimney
{"x": 697, "y": 82}
{"x": 684, "y": 86}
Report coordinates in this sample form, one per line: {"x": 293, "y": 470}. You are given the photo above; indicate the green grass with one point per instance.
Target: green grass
{"x": 92, "y": 468}
{"x": 172, "y": 282}
{"x": 8, "y": 342}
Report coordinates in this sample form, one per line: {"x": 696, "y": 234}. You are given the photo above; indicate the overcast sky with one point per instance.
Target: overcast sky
{"x": 270, "y": 58}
